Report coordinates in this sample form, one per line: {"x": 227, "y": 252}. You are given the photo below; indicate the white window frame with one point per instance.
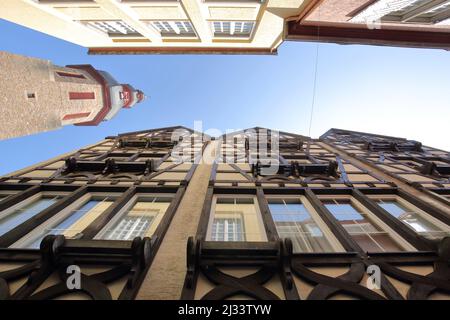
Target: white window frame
{"x": 232, "y": 34}
{"x": 260, "y": 223}
{"x": 225, "y": 228}
{"x": 126, "y": 208}
{"x": 93, "y": 25}
{"x": 174, "y": 30}
{"x": 136, "y": 222}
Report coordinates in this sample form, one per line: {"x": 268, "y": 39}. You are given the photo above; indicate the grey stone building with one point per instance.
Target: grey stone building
{"x": 39, "y": 96}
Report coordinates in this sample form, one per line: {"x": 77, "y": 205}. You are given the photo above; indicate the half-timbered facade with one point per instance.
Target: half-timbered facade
{"x": 171, "y": 213}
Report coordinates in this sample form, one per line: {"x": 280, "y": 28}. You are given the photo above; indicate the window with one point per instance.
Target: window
{"x": 416, "y": 221}
{"x": 174, "y": 28}
{"x": 113, "y": 28}
{"x": 232, "y": 28}
{"x": 70, "y": 75}
{"x": 130, "y": 227}
{"x": 31, "y": 95}
{"x": 69, "y": 222}
{"x": 18, "y": 214}
{"x": 138, "y": 220}
{"x": 224, "y": 229}
{"x": 293, "y": 221}
{"x": 406, "y": 11}
{"x": 235, "y": 219}
{"x": 81, "y": 95}
{"x": 369, "y": 236}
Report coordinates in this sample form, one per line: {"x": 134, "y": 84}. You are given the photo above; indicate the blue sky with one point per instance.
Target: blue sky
{"x": 392, "y": 91}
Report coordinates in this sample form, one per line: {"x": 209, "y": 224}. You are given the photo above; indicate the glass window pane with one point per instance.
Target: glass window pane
{"x": 129, "y": 228}
{"x": 25, "y": 212}
{"x": 386, "y": 242}
{"x": 140, "y": 221}
{"x": 67, "y": 226}
{"x": 236, "y": 219}
{"x": 369, "y": 236}
{"x": 232, "y": 28}
{"x": 344, "y": 211}
{"x": 293, "y": 221}
{"x": 174, "y": 28}
{"x": 414, "y": 220}
{"x": 227, "y": 230}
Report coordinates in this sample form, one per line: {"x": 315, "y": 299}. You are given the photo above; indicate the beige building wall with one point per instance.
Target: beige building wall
{"x": 76, "y": 22}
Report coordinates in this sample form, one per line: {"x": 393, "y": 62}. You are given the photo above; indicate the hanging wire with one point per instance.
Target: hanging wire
{"x": 313, "y": 102}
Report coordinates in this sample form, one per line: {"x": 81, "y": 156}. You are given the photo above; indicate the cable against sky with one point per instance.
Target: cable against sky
{"x": 313, "y": 102}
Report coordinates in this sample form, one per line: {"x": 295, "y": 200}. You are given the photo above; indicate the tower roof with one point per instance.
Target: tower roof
{"x": 123, "y": 96}
{"x": 115, "y": 95}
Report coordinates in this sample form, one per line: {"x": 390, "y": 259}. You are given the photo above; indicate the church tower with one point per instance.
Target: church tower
{"x": 39, "y": 96}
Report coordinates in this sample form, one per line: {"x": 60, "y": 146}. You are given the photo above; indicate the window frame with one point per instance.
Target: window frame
{"x": 91, "y": 24}
{"x": 259, "y": 218}
{"x": 232, "y": 36}
{"x": 127, "y": 207}
{"x": 61, "y": 216}
{"x": 31, "y": 199}
{"x": 328, "y": 234}
{"x": 410, "y": 207}
{"x": 169, "y": 35}
{"x": 376, "y": 221}
{"x": 225, "y": 226}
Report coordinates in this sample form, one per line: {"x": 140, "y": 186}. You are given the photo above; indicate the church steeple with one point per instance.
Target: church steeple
{"x": 117, "y": 95}
{"x": 131, "y": 96}
{"x": 41, "y": 96}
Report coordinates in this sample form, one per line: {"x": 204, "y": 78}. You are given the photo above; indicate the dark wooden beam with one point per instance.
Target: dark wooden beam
{"x": 359, "y": 35}
{"x": 269, "y": 224}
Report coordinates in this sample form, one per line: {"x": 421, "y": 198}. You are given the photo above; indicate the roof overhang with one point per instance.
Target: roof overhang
{"x": 362, "y": 35}
{"x": 181, "y": 50}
